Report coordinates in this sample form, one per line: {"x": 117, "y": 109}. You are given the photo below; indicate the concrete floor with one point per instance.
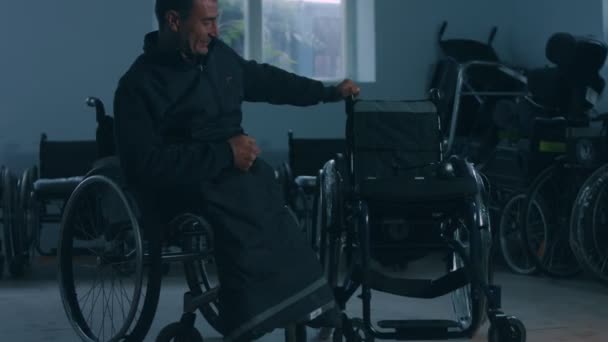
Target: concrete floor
{"x": 552, "y": 310}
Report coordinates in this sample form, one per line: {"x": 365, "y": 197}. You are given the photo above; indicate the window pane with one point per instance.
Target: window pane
{"x": 232, "y": 24}
{"x": 305, "y": 36}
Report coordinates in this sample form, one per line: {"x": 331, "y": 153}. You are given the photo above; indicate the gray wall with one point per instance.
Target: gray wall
{"x": 59, "y": 52}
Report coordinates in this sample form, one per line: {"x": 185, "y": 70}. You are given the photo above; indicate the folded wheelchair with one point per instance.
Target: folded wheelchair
{"x": 397, "y": 192}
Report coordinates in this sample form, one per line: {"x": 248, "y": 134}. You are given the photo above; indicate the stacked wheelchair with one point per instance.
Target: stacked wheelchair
{"x": 520, "y": 121}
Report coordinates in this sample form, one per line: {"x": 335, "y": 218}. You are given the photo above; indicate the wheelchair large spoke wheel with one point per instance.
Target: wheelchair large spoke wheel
{"x": 109, "y": 275}
{"x": 589, "y": 226}
{"x": 556, "y": 188}
{"x": 512, "y": 245}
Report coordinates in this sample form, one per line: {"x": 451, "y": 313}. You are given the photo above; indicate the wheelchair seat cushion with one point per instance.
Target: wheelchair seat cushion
{"x": 401, "y": 189}
{"x": 56, "y": 188}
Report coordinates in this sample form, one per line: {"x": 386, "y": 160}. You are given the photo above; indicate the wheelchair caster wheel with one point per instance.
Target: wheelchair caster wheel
{"x": 175, "y": 332}
{"x": 352, "y": 331}
{"x": 510, "y": 329}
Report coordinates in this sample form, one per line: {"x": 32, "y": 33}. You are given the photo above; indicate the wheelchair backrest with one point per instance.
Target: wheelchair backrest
{"x": 393, "y": 138}
{"x": 575, "y": 81}
{"x": 61, "y": 159}
{"x": 308, "y": 155}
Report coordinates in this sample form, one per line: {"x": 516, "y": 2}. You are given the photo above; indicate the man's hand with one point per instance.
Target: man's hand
{"x": 244, "y": 150}
{"x": 348, "y": 88}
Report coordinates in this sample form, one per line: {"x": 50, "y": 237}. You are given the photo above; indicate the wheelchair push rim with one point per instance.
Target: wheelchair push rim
{"x": 86, "y": 198}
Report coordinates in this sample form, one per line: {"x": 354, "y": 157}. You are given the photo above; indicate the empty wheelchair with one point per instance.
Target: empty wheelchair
{"x": 395, "y": 193}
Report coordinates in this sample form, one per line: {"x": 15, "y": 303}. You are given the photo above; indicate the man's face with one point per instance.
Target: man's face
{"x": 196, "y": 30}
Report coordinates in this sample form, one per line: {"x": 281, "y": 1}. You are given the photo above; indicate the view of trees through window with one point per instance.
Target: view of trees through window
{"x": 302, "y": 36}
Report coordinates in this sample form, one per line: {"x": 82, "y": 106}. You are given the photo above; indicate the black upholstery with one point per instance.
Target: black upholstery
{"x": 61, "y": 159}
{"x": 396, "y": 154}
{"x": 399, "y": 189}
{"x": 308, "y": 155}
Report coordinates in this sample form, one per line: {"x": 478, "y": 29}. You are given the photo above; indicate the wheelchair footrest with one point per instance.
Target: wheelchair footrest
{"x": 422, "y": 329}
{"x": 416, "y": 288}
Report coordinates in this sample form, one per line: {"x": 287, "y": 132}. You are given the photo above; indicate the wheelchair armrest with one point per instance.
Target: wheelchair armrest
{"x": 306, "y": 181}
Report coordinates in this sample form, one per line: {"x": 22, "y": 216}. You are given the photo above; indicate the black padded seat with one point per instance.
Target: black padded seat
{"x": 56, "y": 188}
{"x": 400, "y": 189}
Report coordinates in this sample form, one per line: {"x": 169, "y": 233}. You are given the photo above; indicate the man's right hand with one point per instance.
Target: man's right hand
{"x": 244, "y": 150}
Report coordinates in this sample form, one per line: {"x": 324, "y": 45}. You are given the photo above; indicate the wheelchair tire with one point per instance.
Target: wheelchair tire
{"x": 28, "y": 211}
{"x": 10, "y": 223}
{"x": 175, "y": 332}
{"x": 513, "y": 330}
{"x": 100, "y": 207}
{"x": 588, "y": 233}
{"x": 554, "y": 187}
{"x": 512, "y": 247}
{"x": 331, "y": 230}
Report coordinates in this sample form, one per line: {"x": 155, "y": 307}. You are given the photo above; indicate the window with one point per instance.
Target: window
{"x": 315, "y": 38}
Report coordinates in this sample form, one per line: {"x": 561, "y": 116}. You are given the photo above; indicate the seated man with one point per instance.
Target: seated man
{"x": 178, "y": 131}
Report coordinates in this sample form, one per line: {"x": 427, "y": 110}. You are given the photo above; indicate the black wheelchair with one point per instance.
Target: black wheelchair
{"x": 396, "y": 192}
{"x": 43, "y": 189}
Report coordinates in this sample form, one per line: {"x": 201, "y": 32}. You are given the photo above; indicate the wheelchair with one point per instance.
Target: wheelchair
{"x": 43, "y": 190}
{"x": 397, "y": 191}
{"x": 557, "y": 187}
{"x": 8, "y": 185}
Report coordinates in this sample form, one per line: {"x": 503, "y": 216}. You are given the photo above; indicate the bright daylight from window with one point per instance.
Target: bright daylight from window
{"x": 303, "y": 36}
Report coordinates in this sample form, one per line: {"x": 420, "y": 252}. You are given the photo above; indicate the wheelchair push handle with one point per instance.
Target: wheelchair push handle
{"x": 349, "y": 102}
{"x": 100, "y": 110}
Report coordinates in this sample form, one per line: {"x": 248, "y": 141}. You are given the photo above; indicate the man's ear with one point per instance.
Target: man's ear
{"x": 173, "y": 20}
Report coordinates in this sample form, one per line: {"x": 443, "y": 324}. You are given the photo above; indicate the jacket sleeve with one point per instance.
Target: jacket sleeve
{"x": 267, "y": 83}
{"x": 147, "y": 161}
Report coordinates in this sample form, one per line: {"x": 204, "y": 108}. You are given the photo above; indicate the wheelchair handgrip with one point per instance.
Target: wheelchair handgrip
{"x": 100, "y": 110}
{"x": 350, "y": 103}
